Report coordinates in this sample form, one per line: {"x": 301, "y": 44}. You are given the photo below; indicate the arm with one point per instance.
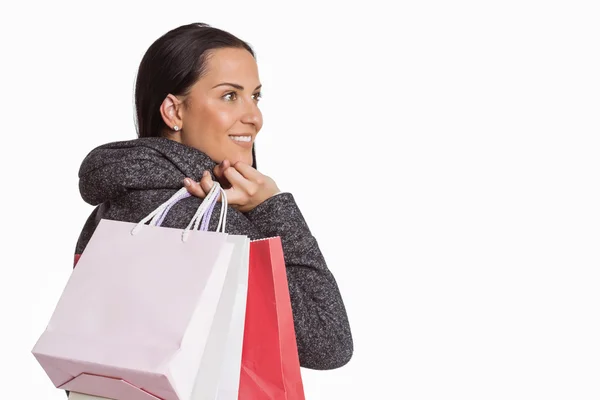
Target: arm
{"x": 323, "y": 333}
{"x": 322, "y": 330}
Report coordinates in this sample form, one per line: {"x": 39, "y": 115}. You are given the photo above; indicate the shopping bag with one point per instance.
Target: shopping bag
{"x": 270, "y": 364}
{"x": 219, "y": 373}
{"x": 137, "y": 312}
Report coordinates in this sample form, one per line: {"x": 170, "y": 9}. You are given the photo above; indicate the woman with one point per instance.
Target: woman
{"x": 196, "y": 98}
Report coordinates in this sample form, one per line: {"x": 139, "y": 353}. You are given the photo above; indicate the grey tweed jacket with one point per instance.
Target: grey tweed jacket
{"x": 128, "y": 180}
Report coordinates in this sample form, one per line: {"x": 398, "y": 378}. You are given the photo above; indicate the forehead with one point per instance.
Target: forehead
{"x": 233, "y": 65}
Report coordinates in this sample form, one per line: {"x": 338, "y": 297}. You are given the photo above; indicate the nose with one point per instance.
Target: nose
{"x": 251, "y": 114}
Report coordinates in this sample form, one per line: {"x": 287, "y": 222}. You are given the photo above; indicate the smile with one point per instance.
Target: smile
{"x": 246, "y": 139}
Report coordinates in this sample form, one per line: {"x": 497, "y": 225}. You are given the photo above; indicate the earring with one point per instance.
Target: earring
{"x": 175, "y": 128}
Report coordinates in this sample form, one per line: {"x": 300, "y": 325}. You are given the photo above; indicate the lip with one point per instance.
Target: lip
{"x": 246, "y": 145}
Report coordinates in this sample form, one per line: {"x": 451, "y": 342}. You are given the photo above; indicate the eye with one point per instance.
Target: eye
{"x": 228, "y": 96}
{"x": 231, "y": 96}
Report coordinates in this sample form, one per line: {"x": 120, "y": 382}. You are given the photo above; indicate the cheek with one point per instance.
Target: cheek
{"x": 222, "y": 119}
{"x": 226, "y": 120}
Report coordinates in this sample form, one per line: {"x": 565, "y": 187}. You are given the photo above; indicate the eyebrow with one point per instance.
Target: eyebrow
{"x": 235, "y": 85}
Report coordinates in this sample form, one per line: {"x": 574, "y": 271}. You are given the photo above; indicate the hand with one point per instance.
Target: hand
{"x": 244, "y": 186}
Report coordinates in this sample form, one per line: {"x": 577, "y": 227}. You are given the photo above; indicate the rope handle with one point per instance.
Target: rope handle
{"x": 203, "y": 213}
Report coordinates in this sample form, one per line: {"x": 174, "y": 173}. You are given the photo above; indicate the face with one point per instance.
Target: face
{"x": 220, "y": 115}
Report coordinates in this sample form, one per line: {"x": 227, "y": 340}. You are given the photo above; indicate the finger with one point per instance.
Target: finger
{"x": 206, "y": 183}
{"x": 238, "y": 182}
{"x": 194, "y": 188}
{"x": 248, "y": 172}
{"x": 221, "y": 167}
{"x": 220, "y": 175}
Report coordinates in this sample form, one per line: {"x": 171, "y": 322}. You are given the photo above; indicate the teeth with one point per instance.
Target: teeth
{"x": 241, "y": 138}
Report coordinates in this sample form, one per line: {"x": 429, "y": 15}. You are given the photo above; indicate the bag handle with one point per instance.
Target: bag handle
{"x": 208, "y": 205}
{"x": 166, "y": 211}
{"x": 157, "y": 216}
{"x": 211, "y": 198}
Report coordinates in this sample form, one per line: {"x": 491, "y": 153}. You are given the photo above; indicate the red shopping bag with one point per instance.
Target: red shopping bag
{"x": 270, "y": 365}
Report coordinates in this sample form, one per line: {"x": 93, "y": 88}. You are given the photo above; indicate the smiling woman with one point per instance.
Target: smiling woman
{"x": 197, "y": 104}
{"x": 220, "y": 110}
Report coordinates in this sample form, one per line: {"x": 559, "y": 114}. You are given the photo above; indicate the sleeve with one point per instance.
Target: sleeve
{"x": 320, "y": 319}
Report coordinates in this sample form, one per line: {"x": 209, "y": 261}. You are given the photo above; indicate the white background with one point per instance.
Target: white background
{"x": 445, "y": 155}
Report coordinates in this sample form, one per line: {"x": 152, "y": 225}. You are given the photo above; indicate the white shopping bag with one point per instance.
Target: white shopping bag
{"x": 219, "y": 373}
{"x": 136, "y": 316}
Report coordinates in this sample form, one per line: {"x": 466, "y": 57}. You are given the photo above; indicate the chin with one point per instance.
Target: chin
{"x": 245, "y": 158}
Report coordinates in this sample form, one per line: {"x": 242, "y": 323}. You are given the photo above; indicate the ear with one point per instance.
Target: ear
{"x": 171, "y": 112}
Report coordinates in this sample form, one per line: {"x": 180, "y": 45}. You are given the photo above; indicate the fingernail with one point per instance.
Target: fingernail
{"x": 205, "y": 174}
{"x": 187, "y": 182}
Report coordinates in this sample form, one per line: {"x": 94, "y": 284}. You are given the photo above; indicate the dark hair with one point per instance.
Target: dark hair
{"x": 172, "y": 64}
